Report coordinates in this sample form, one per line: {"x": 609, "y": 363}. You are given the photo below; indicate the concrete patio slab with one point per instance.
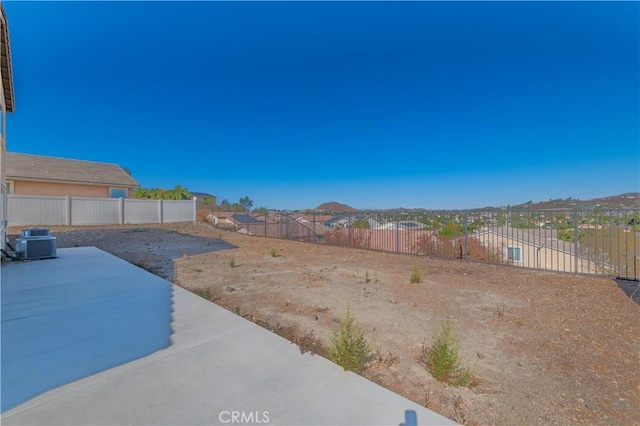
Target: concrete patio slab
{"x": 219, "y": 369}
{"x": 67, "y": 318}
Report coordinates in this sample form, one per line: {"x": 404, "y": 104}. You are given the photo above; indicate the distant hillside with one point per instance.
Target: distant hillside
{"x": 627, "y": 200}
{"x": 335, "y": 207}
{"x": 630, "y": 199}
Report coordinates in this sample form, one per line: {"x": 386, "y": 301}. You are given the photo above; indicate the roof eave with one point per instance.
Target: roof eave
{"x": 74, "y": 182}
{"x": 5, "y": 61}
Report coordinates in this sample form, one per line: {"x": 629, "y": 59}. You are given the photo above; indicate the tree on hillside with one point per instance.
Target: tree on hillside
{"x": 246, "y": 203}
{"x": 225, "y": 205}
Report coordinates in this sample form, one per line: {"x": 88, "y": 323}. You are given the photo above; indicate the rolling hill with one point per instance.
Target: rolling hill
{"x": 333, "y": 206}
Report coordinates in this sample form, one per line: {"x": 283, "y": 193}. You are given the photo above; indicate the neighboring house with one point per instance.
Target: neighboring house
{"x": 231, "y": 218}
{"x": 536, "y": 248}
{"x": 221, "y": 218}
{"x": 401, "y": 226}
{"x": 310, "y": 219}
{"x": 39, "y": 175}
{"x": 247, "y": 224}
{"x": 412, "y": 224}
{"x": 204, "y": 196}
{"x": 391, "y": 226}
{"x": 242, "y": 219}
{"x": 315, "y": 223}
{"x": 346, "y": 221}
{"x": 6, "y": 105}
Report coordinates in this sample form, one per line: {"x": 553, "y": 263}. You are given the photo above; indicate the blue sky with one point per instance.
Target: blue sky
{"x": 372, "y": 104}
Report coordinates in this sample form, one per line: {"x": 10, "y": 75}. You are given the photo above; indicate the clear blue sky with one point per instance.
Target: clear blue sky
{"x": 376, "y": 105}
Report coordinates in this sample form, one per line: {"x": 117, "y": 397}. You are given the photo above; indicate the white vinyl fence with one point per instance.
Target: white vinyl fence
{"x": 33, "y": 210}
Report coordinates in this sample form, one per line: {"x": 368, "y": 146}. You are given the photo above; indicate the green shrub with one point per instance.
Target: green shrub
{"x": 349, "y": 349}
{"x": 273, "y": 252}
{"x": 232, "y": 261}
{"x": 444, "y": 360}
{"x": 205, "y": 293}
{"x": 416, "y": 274}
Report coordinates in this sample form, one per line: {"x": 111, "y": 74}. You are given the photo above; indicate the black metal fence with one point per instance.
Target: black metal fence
{"x": 597, "y": 241}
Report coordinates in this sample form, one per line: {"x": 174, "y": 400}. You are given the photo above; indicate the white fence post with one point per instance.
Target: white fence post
{"x": 160, "y": 210}
{"x": 121, "y": 210}
{"x": 67, "y": 211}
{"x": 195, "y": 209}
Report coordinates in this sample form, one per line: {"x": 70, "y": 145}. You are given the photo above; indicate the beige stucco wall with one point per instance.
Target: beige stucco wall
{"x": 532, "y": 257}
{"x": 48, "y": 188}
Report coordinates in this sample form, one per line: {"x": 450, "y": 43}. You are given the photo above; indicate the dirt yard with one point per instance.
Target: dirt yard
{"x": 546, "y": 348}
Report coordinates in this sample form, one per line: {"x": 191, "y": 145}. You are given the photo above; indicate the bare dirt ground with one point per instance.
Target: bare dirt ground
{"x": 546, "y": 348}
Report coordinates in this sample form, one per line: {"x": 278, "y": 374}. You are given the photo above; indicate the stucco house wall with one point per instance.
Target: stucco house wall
{"x": 536, "y": 257}
{"x": 22, "y": 187}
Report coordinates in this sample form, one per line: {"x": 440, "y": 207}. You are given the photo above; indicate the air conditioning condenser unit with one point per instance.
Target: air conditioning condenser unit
{"x": 36, "y": 232}
{"x": 36, "y": 247}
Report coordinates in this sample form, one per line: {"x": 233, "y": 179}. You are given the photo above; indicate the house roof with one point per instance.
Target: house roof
{"x": 315, "y": 218}
{"x": 345, "y": 218}
{"x": 412, "y": 224}
{"x": 64, "y": 170}
{"x": 202, "y": 195}
{"x": 245, "y": 218}
{"x": 5, "y": 61}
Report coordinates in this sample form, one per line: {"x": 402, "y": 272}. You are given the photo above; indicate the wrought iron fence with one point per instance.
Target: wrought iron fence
{"x": 597, "y": 241}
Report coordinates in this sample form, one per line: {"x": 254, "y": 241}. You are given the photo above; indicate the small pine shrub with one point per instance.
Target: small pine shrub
{"x": 366, "y": 277}
{"x": 205, "y": 293}
{"x": 273, "y": 252}
{"x": 232, "y": 262}
{"x": 416, "y": 274}
{"x": 349, "y": 349}
{"x": 444, "y": 360}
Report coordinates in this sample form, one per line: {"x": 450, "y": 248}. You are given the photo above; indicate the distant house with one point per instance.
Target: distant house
{"x": 347, "y": 221}
{"x": 536, "y": 248}
{"x": 391, "y": 226}
{"x": 231, "y": 218}
{"x": 241, "y": 218}
{"x": 401, "y": 226}
{"x": 39, "y": 175}
{"x": 220, "y": 218}
{"x": 312, "y": 218}
{"x": 204, "y": 197}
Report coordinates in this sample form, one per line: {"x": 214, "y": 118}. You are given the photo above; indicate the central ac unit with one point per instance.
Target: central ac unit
{"x": 36, "y": 232}
{"x": 36, "y": 247}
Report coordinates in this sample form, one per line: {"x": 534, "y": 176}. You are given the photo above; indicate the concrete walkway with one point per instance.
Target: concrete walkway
{"x": 219, "y": 369}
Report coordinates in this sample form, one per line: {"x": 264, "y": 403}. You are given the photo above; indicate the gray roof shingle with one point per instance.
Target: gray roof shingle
{"x": 64, "y": 170}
